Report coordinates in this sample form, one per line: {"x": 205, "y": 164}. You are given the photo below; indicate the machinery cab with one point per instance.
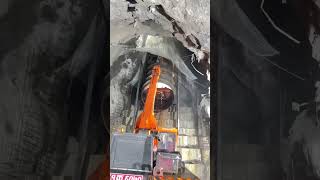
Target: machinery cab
{"x": 131, "y": 156}
{"x": 134, "y": 156}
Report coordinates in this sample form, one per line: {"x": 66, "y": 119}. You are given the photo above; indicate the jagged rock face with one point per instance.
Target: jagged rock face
{"x": 305, "y": 130}
{"x": 193, "y": 17}
{"x": 120, "y": 94}
{"x": 315, "y": 43}
{"x": 34, "y": 82}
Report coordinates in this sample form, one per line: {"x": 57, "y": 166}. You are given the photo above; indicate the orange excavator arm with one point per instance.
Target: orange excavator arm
{"x": 146, "y": 120}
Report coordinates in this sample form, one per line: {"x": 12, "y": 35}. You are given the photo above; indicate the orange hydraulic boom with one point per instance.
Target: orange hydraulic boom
{"x": 146, "y": 120}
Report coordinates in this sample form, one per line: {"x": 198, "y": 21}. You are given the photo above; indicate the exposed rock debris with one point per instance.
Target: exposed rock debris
{"x": 119, "y": 99}
{"x": 190, "y": 26}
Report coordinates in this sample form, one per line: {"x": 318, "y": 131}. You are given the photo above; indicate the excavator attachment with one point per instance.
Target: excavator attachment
{"x": 146, "y": 120}
{"x": 148, "y": 152}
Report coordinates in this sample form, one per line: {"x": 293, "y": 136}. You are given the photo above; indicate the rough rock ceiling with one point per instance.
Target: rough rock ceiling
{"x": 186, "y": 20}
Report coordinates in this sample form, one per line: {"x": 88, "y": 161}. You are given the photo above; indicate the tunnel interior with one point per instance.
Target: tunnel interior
{"x": 182, "y": 109}
{"x": 58, "y": 81}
